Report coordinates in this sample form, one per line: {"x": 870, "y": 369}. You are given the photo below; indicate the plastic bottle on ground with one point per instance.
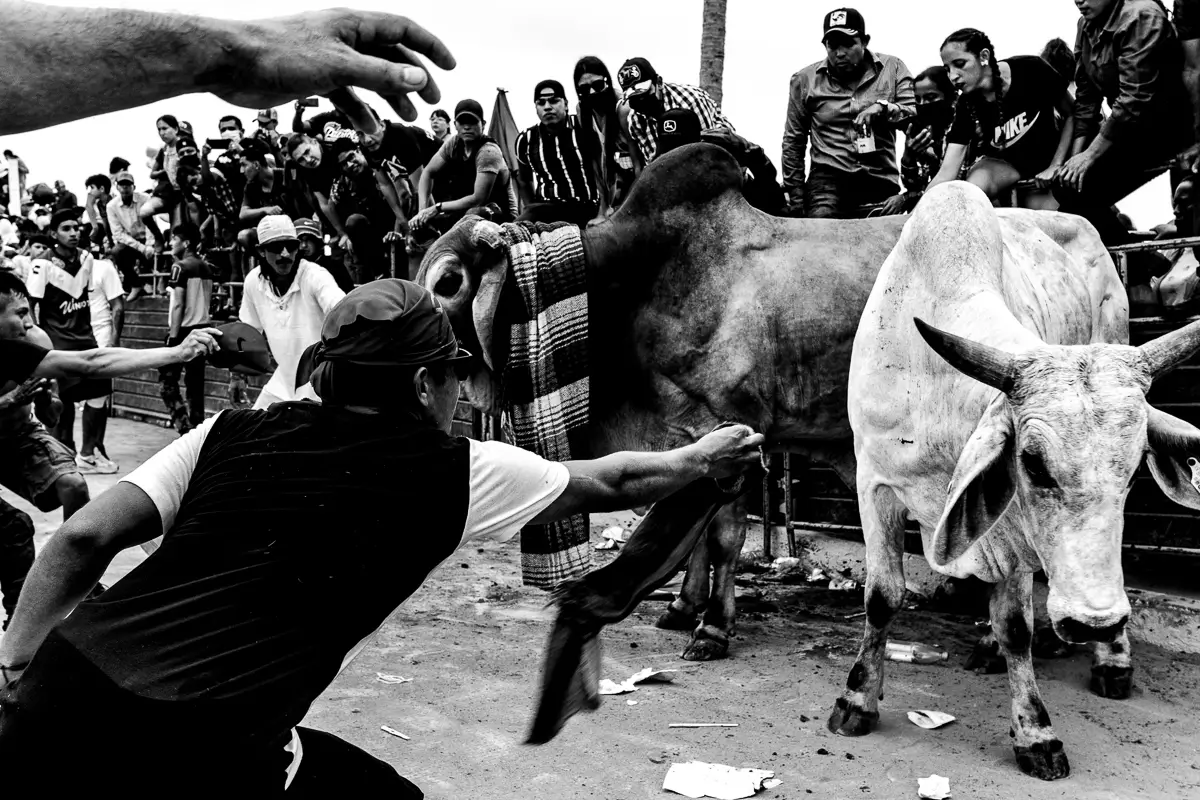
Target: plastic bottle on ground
{"x": 915, "y": 652}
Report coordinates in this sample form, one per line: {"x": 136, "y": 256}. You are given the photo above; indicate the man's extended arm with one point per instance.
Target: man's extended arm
{"x": 113, "y": 362}
{"x": 628, "y": 480}
{"x": 255, "y": 64}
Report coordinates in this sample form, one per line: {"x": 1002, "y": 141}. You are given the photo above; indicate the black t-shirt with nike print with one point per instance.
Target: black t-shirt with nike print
{"x": 1021, "y": 129}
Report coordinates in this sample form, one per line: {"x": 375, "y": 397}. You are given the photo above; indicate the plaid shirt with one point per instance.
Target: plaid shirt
{"x": 1133, "y": 60}
{"x": 644, "y": 131}
{"x": 218, "y": 198}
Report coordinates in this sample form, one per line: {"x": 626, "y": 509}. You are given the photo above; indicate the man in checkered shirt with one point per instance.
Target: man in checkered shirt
{"x": 648, "y": 97}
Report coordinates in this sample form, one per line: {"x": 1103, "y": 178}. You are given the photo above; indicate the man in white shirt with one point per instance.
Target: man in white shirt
{"x": 107, "y": 304}
{"x": 287, "y": 299}
{"x": 132, "y": 244}
{"x": 305, "y": 526}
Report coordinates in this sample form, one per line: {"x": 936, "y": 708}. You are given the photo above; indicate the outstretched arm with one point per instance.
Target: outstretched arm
{"x": 255, "y": 64}
{"x": 113, "y": 362}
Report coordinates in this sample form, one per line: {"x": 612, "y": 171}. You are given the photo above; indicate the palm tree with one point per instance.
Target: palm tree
{"x": 712, "y": 48}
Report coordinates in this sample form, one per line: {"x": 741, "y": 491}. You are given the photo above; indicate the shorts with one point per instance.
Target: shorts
{"x": 32, "y": 461}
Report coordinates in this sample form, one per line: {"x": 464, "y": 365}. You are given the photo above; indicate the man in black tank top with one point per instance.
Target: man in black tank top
{"x": 206, "y": 657}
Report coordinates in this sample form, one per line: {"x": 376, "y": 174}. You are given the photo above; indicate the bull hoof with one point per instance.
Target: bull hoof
{"x": 673, "y": 620}
{"x": 1045, "y": 760}
{"x": 986, "y": 658}
{"x": 1115, "y": 683}
{"x": 850, "y": 720}
{"x": 706, "y": 647}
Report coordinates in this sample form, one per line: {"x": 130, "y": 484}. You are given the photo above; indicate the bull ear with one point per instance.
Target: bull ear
{"x": 983, "y": 486}
{"x": 491, "y": 283}
{"x": 1170, "y": 444}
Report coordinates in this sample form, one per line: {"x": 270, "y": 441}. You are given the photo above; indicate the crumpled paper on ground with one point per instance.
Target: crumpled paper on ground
{"x": 935, "y": 787}
{"x": 699, "y": 779}
{"x": 929, "y": 720}
{"x": 648, "y": 675}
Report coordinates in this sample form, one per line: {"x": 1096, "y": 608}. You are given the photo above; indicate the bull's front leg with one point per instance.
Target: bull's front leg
{"x": 1112, "y": 668}
{"x": 726, "y": 535}
{"x": 1039, "y": 752}
{"x": 856, "y": 712}
{"x": 681, "y": 613}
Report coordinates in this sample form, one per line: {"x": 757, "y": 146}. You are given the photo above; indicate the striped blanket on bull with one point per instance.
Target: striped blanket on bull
{"x": 545, "y": 379}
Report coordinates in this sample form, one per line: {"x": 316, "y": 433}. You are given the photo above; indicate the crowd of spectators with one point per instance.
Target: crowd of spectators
{"x": 1071, "y": 128}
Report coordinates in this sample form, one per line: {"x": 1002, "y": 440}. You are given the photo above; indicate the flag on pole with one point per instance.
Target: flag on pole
{"x": 503, "y": 128}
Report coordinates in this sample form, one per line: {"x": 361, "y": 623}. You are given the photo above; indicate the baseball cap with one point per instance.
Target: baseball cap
{"x": 308, "y": 227}
{"x": 275, "y": 227}
{"x": 471, "y": 107}
{"x": 384, "y": 323}
{"x": 554, "y": 87}
{"x": 124, "y": 175}
{"x": 268, "y": 115}
{"x": 343, "y": 144}
{"x": 634, "y": 71}
{"x": 677, "y": 127}
{"x": 241, "y": 348}
{"x": 846, "y": 21}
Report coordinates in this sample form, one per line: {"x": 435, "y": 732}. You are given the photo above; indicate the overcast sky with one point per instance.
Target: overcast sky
{"x": 515, "y": 43}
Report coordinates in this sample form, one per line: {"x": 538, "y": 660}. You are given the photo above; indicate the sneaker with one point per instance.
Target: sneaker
{"x": 109, "y": 465}
{"x": 91, "y": 465}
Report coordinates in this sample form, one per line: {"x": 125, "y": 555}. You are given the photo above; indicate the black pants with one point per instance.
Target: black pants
{"x": 159, "y": 748}
{"x": 189, "y": 413}
{"x": 128, "y": 263}
{"x": 829, "y": 192}
{"x": 574, "y": 212}
{"x": 16, "y": 554}
{"x": 366, "y": 236}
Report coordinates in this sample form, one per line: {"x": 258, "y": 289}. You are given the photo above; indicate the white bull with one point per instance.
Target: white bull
{"x": 1012, "y": 441}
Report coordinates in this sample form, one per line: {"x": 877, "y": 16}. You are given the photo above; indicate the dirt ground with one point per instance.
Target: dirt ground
{"x": 472, "y": 638}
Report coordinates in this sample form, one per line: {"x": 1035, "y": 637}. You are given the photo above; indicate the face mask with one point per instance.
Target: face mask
{"x": 603, "y": 102}
{"x": 646, "y": 104}
{"x": 938, "y": 114}
{"x": 232, "y": 135}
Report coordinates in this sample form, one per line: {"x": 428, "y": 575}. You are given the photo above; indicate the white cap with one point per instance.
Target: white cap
{"x": 275, "y": 227}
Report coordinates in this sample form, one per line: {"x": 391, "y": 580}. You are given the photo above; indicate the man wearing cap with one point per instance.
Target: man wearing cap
{"x": 849, "y": 107}
{"x": 368, "y": 207}
{"x": 267, "y": 132}
{"x": 312, "y": 250}
{"x": 469, "y": 171}
{"x": 647, "y": 97}
{"x": 206, "y": 657}
{"x": 287, "y": 299}
{"x": 760, "y": 184}
{"x": 132, "y": 243}
{"x": 58, "y": 288}
{"x": 558, "y": 163}
{"x": 190, "y": 285}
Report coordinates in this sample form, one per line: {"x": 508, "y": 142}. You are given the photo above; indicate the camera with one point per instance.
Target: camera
{"x": 217, "y": 144}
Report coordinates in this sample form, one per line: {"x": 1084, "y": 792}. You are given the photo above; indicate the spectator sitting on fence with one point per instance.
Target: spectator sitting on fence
{"x": 166, "y": 165}
{"x": 925, "y": 141}
{"x": 267, "y": 132}
{"x": 64, "y": 199}
{"x": 760, "y": 183}
{"x": 191, "y": 297}
{"x": 106, "y": 301}
{"x": 848, "y": 106}
{"x": 287, "y": 299}
{"x": 370, "y": 209}
{"x": 117, "y": 165}
{"x": 647, "y": 97}
{"x": 210, "y": 202}
{"x": 1129, "y": 56}
{"x": 228, "y": 161}
{"x": 317, "y": 169}
{"x": 439, "y": 125}
{"x": 598, "y": 100}
{"x": 467, "y": 172}
{"x": 268, "y": 192}
{"x": 99, "y": 193}
{"x": 399, "y": 153}
{"x": 558, "y": 163}
{"x": 1005, "y": 116}
{"x": 132, "y": 249}
{"x": 312, "y": 249}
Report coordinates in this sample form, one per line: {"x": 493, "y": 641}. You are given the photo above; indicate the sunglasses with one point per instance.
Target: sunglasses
{"x": 595, "y": 87}
{"x": 278, "y": 246}
{"x": 548, "y": 100}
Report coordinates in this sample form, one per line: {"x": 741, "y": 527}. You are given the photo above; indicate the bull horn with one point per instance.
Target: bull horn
{"x": 1167, "y": 352}
{"x": 982, "y": 362}
{"x": 486, "y": 233}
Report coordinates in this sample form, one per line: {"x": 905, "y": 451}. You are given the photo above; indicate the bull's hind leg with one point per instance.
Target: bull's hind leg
{"x": 1112, "y": 668}
{"x": 1039, "y": 752}
{"x": 726, "y": 535}
{"x": 856, "y": 712}
{"x": 681, "y": 613}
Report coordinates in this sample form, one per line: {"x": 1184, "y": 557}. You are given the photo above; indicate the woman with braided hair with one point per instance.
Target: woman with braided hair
{"x": 1005, "y": 116}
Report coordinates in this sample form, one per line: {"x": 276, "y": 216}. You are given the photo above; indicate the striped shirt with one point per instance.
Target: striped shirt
{"x": 557, "y": 162}
{"x": 644, "y": 130}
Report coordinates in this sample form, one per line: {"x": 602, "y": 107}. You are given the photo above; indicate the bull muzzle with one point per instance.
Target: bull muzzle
{"x": 1099, "y": 618}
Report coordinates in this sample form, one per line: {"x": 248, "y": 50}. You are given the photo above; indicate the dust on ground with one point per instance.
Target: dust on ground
{"x": 472, "y": 642}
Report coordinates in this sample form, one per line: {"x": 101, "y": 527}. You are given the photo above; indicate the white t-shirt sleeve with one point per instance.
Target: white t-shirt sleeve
{"x": 35, "y": 284}
{"x": 509, "y": 487}
{"x": 248, "y": 312}
{"x": 107, "y": 280}
{"x": 165, "y": 477}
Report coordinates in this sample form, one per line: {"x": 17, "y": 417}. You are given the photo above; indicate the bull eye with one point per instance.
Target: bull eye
{"x": 448, "y": 284}
{"x": 1035, "y": 468}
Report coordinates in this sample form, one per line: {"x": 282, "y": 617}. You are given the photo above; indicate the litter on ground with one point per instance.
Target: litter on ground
{"x": 700, "y": 779}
